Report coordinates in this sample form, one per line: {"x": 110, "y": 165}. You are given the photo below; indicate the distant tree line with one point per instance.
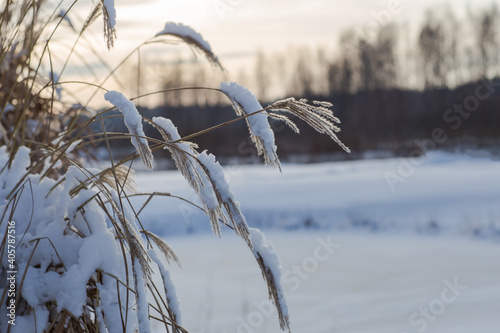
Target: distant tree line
{"x": 393, "y": 90}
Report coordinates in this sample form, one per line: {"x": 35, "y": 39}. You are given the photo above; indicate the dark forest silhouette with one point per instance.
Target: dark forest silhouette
{"x": 394, "y": 91}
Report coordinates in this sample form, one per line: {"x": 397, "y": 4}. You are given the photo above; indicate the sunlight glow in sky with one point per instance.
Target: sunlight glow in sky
{"x": 241, "y": 26}
{"x": 236, "y": 29}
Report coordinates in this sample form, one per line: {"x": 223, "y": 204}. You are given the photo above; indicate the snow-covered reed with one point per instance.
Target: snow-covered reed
{"x": 133, "y": 121}
{"x": 245, "y": 103}
{"x": 192, "y": 38}
{"x": 109, "y": 15}
{"x": 316, "y": 114}
{"x": 84, "y": 262}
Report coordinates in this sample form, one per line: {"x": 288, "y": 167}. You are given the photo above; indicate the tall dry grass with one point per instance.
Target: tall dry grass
{"x": 58, "y": 137}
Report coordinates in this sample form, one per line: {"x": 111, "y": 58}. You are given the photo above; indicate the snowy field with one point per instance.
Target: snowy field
{"x": 439, "y": 194}
{"x": 373, "y": 246}
{"x": 367, "y": 284}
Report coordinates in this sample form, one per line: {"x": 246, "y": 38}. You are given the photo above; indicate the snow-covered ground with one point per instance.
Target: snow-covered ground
{"x": 439, "y": 194}
{"x": 342, "y": 282}
{"x": 390, "y": 245}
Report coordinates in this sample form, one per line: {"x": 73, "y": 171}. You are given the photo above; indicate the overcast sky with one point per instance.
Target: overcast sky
{"x": 241, "y": 26}
{"x": 236, "y": 29}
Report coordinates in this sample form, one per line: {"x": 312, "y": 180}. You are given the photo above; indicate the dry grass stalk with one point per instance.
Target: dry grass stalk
{"x": 145, "y": 152}
{"x": 183, "y": 161}
{"x": 141, "y": 295}
{"x": 201, "y": 178}
{"x": 133, "y": 240}
{"x": 184, "y": 155}
{"x": 226, "y": 201}
{"x": 231, "y": 207}
{"x": 274, "y": 292}
{"x": 269, "y": 158}
{"x": 130, "y": 235}
{"x": 122, "y": 175}
{"x": 193, "y": 39}
{"x": 133, "y": 121}
{"x": 109, "y": 29}
{"x": 316, "y": 114}
{"x": 94, "y": 14}
{"x": 286, "y": 120}
{"x": 261, "y": 134}
{"x": 31, "y": 115}
{"x": 164, "y": 247}
{"x": 118, "y": 178}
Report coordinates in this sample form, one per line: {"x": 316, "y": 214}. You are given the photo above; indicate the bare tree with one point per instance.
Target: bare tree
{"x": 334, "y": 75}
{"x": 366, "y": 65}
{"x": 348, "y": 62}
{"x": 302, "y": 82}
{"x": 487, "y": 39}
{"x": 321, "y": 72}
{"x": 431, "y": 45}
{"x": 199, "y": 97}
{"x": 385, "y": 58}
{"x": 262, "y": 75}
{"x": 173, "y": 78}
{"x": 377, "y": 60}
{"x": 340, "y": 76}
{"x": 453, "y": 46}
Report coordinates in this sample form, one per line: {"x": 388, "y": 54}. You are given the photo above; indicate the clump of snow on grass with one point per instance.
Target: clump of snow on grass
{"x": 18, "y": 168}
{"x": 245, "y": 103}
{"x": 185, "y": 158}
{"x": 60, "y": 247}
{"x": 133, "y": 121}
{"x": 223, "y": 190}
{"x": 170, "y": 291}
{"x": 264, "y": 250}
{"x": 182, "y": 30}
{"x": 168, "y": 126}
{"x": 187, "y": 163}
{"x": 216, "y": 174}
{"x": 141, "y": 297}
{"x": 203, "y": 167}
{"x": 110, "y": 9}
{"x": 192, "y": 38}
